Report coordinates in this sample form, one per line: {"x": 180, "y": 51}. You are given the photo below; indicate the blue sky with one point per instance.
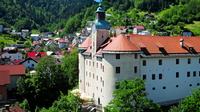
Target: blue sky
{"x": 97, "y": 0}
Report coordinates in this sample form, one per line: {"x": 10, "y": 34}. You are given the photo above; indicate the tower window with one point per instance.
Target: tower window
{"x": 177, "y": 61}
{"x": 160, "y": 62}
{"x": 144, "y": 63}
{"x": 190, "y": 85}
{"x": 177, "y": 74}
{"x": 164, "y": 87}
{"x": 198, "y": 84}
{"x": 189, "y": 61}
{"x": 117, "y": 69}
{"x": 177, "y": 86}
{"x": 153, "y": 88}
{"x": 160, "y": 76}
{"x": 117, "y": 56}
{"x": 153, "y": 76}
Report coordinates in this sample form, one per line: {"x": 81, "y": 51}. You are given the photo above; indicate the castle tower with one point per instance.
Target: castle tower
{"x": 100, "y": 30}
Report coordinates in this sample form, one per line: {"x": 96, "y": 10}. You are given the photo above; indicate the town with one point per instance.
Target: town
{"x": 102, "y": 67}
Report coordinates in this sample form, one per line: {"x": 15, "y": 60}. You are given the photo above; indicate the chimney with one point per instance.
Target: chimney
{"x": 128, "y": 37}
{"x": 181, "y": 42}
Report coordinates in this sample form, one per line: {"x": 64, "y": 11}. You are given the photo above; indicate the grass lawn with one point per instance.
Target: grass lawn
{"x": 6, "y": 39}
{"x": 195, "y": 28}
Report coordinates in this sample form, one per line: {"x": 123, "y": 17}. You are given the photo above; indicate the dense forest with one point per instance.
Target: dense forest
{"x": 172, "y": 16}
{"x": 34, "y": 14}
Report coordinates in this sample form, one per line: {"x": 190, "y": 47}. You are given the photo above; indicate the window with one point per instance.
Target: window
{"x": 86, "y": 62}
{"x": 160, "y": 76}
{"x": 160, "y": 62}
{"x": 188, "y": 74}
{"x": 97, "y": 64}
{"x": 164, "y": 87}
{"x": 198, "y": 84}
{"x": 190, "y": 85}
{"x": 153, "y": 88}
{"x": 117, "y": 56}
{"x": 93, "y": 75}
{"x": 144, "y": 63}
{"x": 194, "y": 74}
{"x": 89, "y": 74}
{"x": 93, "y": 64}
{"x": 153, "y": 76}
{"x": 97, "y": 78}
{"x": 32, "y": 65}
{"x": 189, "y": 61}
{"x": 135, "y": 69}
{"x": 103, "y": 83}
{"x": 103, "y": 68}
{"x": 177, "y": 74}
{"x": 177, "y": 61}
{"x": 199, "y": 60}
{"x": 89, "y": 63}
{"x": 144, "y": 77}
{"x": 199, "y": 73}
{"x": 86, "y": 73}
{"x": 177, "y": 86}
{"x": 136, "y": 56}
{"x": 117, "y": 69}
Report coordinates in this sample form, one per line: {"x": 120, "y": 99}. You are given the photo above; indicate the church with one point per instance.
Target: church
{"x": 170, "y": 66}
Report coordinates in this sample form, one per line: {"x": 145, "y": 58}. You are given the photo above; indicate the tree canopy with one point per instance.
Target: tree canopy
{"x": 130, "y": 96}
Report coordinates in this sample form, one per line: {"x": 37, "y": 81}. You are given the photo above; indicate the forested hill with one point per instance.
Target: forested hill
{"x": 35, "y": 13}
{"x": 171, "y": 16}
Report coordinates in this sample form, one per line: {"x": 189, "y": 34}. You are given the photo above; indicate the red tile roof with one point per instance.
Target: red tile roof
{"x": 152, "y": 44}
{"x": 4, "y": 77}
{"x": 13, "y": 69}
{"x": 36, "y": 54}
{"x": 121, "y": 43}
{"x": 86, "y": 43}
{"x": 139, "y": 27}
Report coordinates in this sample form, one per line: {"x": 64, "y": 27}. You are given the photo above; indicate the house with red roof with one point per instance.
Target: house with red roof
{"x": 138, "y": 29}
{"x": 169, "y": 66}
{"x": 14, "y": 72}
{"x": 34, "y": 54}
{"x": 4, "y": 81}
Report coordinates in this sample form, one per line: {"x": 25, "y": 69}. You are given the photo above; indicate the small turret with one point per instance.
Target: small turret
{"x": 100, "y": 13}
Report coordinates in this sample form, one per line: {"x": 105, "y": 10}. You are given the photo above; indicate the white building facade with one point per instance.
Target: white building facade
{"x": 170, "y": 66}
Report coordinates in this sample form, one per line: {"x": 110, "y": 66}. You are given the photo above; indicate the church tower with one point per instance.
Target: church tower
{"x": 100, "y": 30}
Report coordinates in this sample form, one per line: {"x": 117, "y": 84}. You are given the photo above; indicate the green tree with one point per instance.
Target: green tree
{"x": 70, "y": 67}
{"x": 66, "y": 103}
{"x": 130, "y": 96}
{"x": 45, "y": 86}
{"x": 189, "y": 104}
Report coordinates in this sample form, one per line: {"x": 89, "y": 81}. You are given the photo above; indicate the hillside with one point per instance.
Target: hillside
{"x": 169, "y": 16}
{"x": 35, "y": 13}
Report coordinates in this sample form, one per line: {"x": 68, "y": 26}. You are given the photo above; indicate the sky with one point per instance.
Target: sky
{"x": 98, "y": 0}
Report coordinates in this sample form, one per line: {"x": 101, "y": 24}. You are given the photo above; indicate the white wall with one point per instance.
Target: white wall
{"x": 169, "y": 80}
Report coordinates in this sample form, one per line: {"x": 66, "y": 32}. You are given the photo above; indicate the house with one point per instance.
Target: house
{"x": 169, "y": 66}
{"x": 4, "y": 81}
{"x": 11, "y": 53}
{"x": 138, "y": 29}
{"x": 34, "y": 54}
{"x": 29, "y": 63}
{"x": 1, "y": 28}
{"x": 35, "y": 37}
{"x": 63, "y": 43}
{"x": 25, "y": 33}
{"x": 15, "y": 72}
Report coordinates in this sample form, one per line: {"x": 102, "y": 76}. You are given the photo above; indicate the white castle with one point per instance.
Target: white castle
{"x": 170, "y": 66}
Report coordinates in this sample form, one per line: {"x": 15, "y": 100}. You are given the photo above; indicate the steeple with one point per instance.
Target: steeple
{"x": 100, "y": 13}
